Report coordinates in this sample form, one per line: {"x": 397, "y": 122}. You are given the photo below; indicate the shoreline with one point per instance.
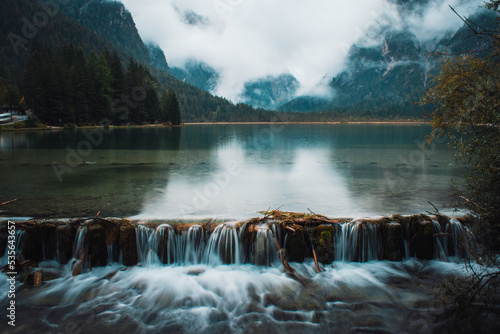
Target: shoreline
{"x": 90, "y": 127}
{"x": 326, "y": 123}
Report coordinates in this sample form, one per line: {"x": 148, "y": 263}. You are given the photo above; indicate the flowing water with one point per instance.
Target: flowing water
{"x": 180, "y": 286}
{"x": 199, "y": 282}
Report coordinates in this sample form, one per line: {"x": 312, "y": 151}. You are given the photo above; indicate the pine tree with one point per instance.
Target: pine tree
{"x": 80, "y": 80}
{"x": 174, "y": 112}
{"x": 101, "y": 80}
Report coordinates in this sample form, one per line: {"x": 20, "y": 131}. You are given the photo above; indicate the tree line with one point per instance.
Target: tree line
{"x": 66, "y": 87}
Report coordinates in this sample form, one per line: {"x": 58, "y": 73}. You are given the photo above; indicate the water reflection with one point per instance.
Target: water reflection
{"x": 341, "y": 171}
{"x": 241, "y": 183}
{"x": 229, "y": 171}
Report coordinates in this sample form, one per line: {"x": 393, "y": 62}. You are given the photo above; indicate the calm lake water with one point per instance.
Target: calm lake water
{"x": 225, "y": 171}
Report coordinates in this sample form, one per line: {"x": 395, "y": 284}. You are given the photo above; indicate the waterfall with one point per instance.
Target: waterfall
{"x": 229, "y": 243}
{"x": 19, "y": 247}
{"x": 224, "y": 246}
{"x": 459, "y": 239}
{"x": 453, "y": 241}
{"x": 440, "y": 249}
{"x": 407, "y": 238}
{"x": 142, "y": 233}
{"x": 194, "y": 244}
{"x": 155, "y": 246}
{"x": 19, "y": 241}
{"x": 112, "y": 254}
{"x": 80, "y": 249}
{"x": 264, "y": 247}
{"x": 358, "y": 241}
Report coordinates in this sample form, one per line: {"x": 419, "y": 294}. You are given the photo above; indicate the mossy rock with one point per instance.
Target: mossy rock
{"x": 128, "y": 243}
{"x": 97, "y": 250}
{"x": 424, "y": 240}
{"x": 324, "y": 246}
{"x": 295, "y": 244}
{"x": 65, "y": 239}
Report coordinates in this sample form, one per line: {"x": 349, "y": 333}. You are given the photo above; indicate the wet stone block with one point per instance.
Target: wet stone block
{"x": 65, "y": 238}
{"x": 96, "y": 240}
{"x": 393, "y": 241}
{"x": 128, "y": 243}
{"x": 295, "y": 244}
{"x": 32, "y": 247}
{"x": 425, "y": 240}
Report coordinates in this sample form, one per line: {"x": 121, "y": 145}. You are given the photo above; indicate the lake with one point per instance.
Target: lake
{"x": 225, "y": 171}
{"x": 225, "y": 281}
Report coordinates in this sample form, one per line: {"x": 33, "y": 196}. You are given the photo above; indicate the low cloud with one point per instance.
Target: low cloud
{"x": 249, "y": 39}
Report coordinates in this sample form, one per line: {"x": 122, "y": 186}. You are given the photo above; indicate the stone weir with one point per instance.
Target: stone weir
{"x": 264, "y": 241}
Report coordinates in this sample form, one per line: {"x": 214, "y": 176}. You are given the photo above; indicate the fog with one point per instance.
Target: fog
{"x": 249, "y": 39}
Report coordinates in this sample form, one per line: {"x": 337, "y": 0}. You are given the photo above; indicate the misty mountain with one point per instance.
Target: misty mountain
{"x": 270, "y": 92}
{"x": 111, "y": 21}
{"x": 157, "y": 58}
{"x": 396, "y": 70}
{"x": 464, "y": 40}
{"x": 94, "y": 26}
{"x": 198, "y": 74}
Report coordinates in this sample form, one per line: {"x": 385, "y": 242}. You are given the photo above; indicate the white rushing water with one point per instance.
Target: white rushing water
{"x": 381, "y": 296}
{"x": 196, "y": 282}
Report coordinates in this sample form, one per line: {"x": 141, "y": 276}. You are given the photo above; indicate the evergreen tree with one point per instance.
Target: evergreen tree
{"x": 117, "y": 73}
{"x": 152, "y": 102}
{"x": 164, "y": 103}
{"x": 101, "y": 81}
{"x": 174, "y": 111}
{"x": 80, "y": 80}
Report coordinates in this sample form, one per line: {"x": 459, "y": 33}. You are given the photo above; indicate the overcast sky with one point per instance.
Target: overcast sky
{"x": 249, "y": 39}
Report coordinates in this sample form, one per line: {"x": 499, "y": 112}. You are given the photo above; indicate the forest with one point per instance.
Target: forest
{"x": 69, "y": 88}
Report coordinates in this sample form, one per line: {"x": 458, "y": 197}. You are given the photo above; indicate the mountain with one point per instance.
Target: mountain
{"x": 157, "y": 58}
{"x": 392, "y": 73}
{"x": 111, "y": 21}
{"x": 198, "y": 74}
{"x": 96, "y": 26}
{"x": 270, "y": 92}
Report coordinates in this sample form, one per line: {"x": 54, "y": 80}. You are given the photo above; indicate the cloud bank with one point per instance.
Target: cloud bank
{"x": 249, "y": 39}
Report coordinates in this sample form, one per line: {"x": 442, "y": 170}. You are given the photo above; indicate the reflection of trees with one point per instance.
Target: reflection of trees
{"x": 118, "y": 176}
